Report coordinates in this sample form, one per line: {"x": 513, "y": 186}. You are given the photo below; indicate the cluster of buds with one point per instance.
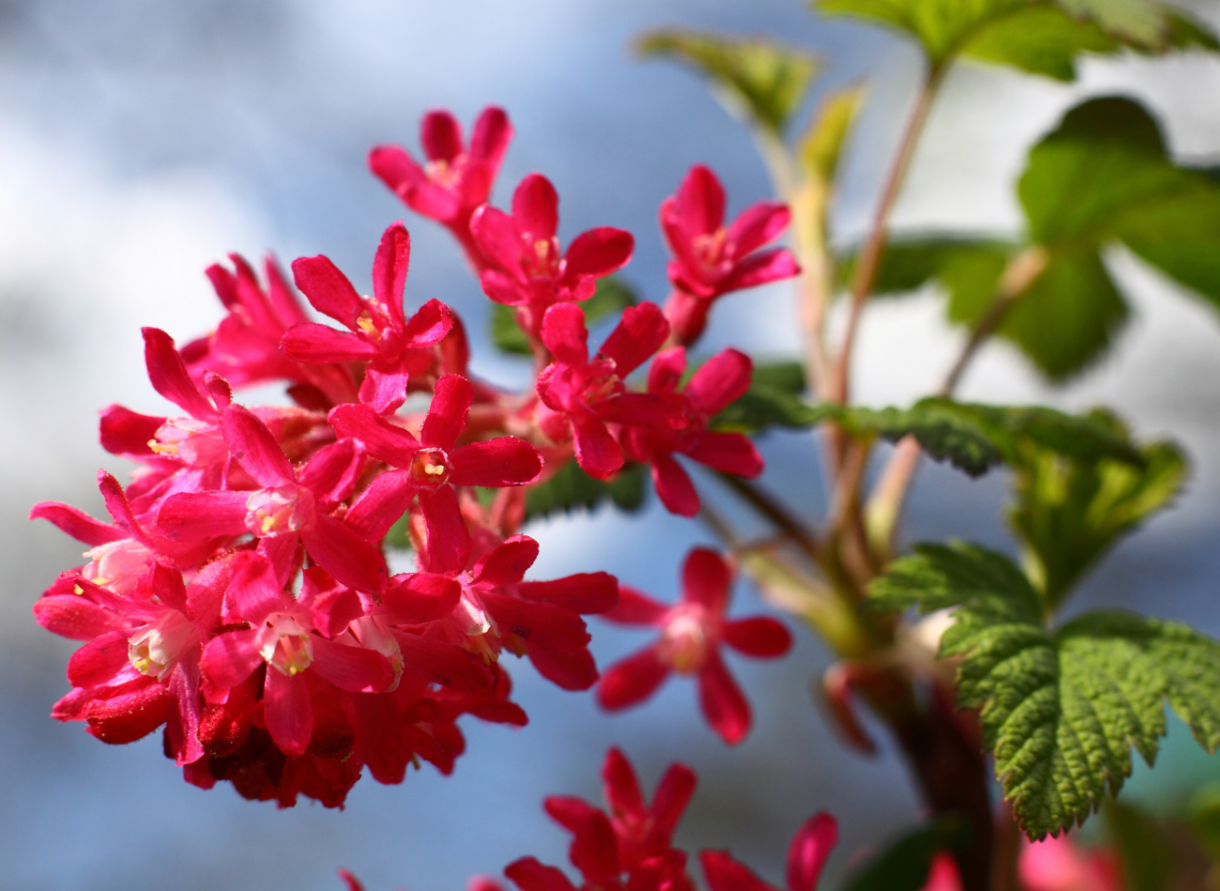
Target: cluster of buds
{"x": 240, "y": 594}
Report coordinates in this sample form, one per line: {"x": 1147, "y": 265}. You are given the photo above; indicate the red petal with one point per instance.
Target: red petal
{"x": 565, "y": 335}
{"x": 568, "y": 671}
{"x": 328, "y": 290}
{"x": 723, "y": 873}
{"x": 722, "y": 701}
{"x": 536, "y": 207}
{"x": 499, "y": 462}
{"x": 722, "y": 379}
{"x": 631, "y": 681}
{"x": 503, "y": 289}
{"x": 687, "y": 315}
{"x": 700, "y": 202}
{"x": 76, "y": 523}
{"x": 384, "y": 391}
{"x": 333, "y": 471}
{"x": 230, "y": 658}
{"x": 705, "y": 579}
{"x": 594, "y": 851}
{"x": 182, "y": 714}
{"x": 350, "y": 559}
{"x": 288, "y": 712}
{"x": 761, "y": 268}
{"x": 635, "y": 608}
{"x": 125, "y": 432}
{"x": 395, "y": 167}
{"x": 597, "y": 452}
{"x": 674, "y": 487}
{"x": 659, "y": 410}
{"x": 666, "y": 370}
{"x": 443, "y": 663}
{"x": 381, "y": 504}
{"x": 598, "y": 252}
{"x": 169, "y": 376}
{"x": 586, "y": 592}
{"x": 420, "y": 597}
{"x": 196, "y": 515}
{"x": 101, "y": 662}
{"x": 507, "y": 563}
{"x": 758, "y": 224}
{"x": 350, "y": 668}
{"x": 254, "y": 592}
{"x": 530, "y": 875}
{"x": 385, "y": 442}
{"x": 496, "y": 235}
{"x": 428, "y": 327}
{"x": 448, "y": 542}
{"x": 492, "y": 132}
{"x": 810, "y": 847}
{"x": 673, "y": 794}
{"x": 637, "y": 336}
{"x": 353, "y": 884}
{"x": 761, "y": 637}
{"x": 621, "y": 787}
{"x": 75, "y": 617}
{"x": 253, "y": 446}
{"x": 538, "y": 624}
{"x": 432, "y": 200}
{"x": 727, "y": 452}
{"x": 129, "y": 715}
{"x": 311, "y": 342}
{"x": 441, "y": 136}
{"x": 447, "y": 414}
{"x": 381, "y": 735}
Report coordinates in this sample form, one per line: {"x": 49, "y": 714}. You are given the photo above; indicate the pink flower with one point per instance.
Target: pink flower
{"x": 583, "y": 395}
{"x": 429, "y": 468}
{"x": 711, "y": 260}
{"x": 718, "y": 382}
{"x": 456, "y": 179}
{"x": 692, "y": 632}
{"x": 525, "y": 267}
{"x": 379, "y": 333}
{"x": 807, "y": 855}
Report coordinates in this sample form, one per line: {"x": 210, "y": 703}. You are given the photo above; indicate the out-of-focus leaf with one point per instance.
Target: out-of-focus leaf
{"x": 1059, "y": 709}
{"x": 904, "y": 865}
{"x": 1141, "y": 845}
{"x": 397, "y": 536}
{"x": 612, "y": 295}
{"x": 571, "y": 489}
{"x": 823, "y": 142}
{"x": 773, "y": 400}
{"x": 762, "y": 81}
{"x": 967, "y": 267}
{"x": 1070, "y": 513}
{"x": 1203, "y": 816}
{"x": 1042, "y": 37}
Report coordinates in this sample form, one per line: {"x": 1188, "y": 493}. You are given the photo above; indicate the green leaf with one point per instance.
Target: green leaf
{"x": 1068, "y": 514}
{"x": 1141, "y": 845}
{"x": 904, "y": 865}
{"x": 822, "y": 144}
{"x": 1060, "y": 710}
{"x": 773, "y": 400}
{"x": 1203, "y": 816}
{"x": 759, "y": 80}
{"x": 612, "y": 295}
{"x": 967, "y": 267}
{"x": 975, "y": 437}
{"x": 571, "y": 489}
{"x": 397, "y": 537}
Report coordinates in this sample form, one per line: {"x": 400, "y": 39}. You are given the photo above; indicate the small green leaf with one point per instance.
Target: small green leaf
{"x": 822, "y": 144}
{"x": 759, "y": 80}
{"x": 506, "y": 334}
{"x": 1068, "y": 514}
{"x": 397, "y": 537}
{"x": 904, "y": 865}
{"x": 773, "y": 400}
{"x": 1060, "y": 710}
{"x": 571, "y": 489}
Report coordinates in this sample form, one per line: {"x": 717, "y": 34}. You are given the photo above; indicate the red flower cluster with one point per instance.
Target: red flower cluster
{"x": 240, "y": 595}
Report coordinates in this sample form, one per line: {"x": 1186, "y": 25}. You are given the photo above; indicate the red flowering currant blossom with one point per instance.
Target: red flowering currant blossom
{"x": 627, "y": 850}
{"x": 806, "y": 856}
{"x": 245, "y": 347}
{"x": 429, "y": 467}
{"x": 525, "y": 268}
{"x": 455, "y": 180}
{"x": 289, "y": 506}
{"x": 580, "y": 396}
{"x": 711, "y": 260}
{"x": 718, "y": 382}
{"x": 692, "y": 632}
{"x": 282, "y": 637}
{"x": 380, "y": 333}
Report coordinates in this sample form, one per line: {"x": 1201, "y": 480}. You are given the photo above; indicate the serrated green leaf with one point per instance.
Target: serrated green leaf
{"x": 572, "y": 489}
{"x": 612, "y": 295}
{"x": 904, "y": 865}
{"x": 1060, "y": 711}
{"x": 822, "y": 144}
{"x": 773, "y": 400}
{"x": 760, "y": 80}
{"x": 1068, "y": 514}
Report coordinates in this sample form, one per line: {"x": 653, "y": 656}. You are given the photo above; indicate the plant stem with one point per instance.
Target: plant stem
{"x": 870, "y": 257}
{"x": 777, "y": 512}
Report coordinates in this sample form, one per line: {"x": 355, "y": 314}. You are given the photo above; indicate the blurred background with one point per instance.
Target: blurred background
{"x": 141, "y": 141}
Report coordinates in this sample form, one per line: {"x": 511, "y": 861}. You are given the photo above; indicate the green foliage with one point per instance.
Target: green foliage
{"x": 1060, "y": 709}
{"x": 904, "y": 865}
{"x": 773, "y": 400}
{"x": 397, "y": 537}
{"x": 1203, "y": 817}
{"x": 974, "y": 437}
{"x": 1040, "y": 37}
{"x": 822, "y": 144}
{"x": 612, "y": 295}
{"x": 1141, "y": 846}
{"x": 759, "y": 80}
{"x": 1069, "y": 513}
{"x": 571, "y": 489}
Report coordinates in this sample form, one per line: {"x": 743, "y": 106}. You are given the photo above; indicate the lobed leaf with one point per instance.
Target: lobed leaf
{"x": 571, "y": 489}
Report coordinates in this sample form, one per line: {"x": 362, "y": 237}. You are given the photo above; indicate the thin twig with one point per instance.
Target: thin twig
{"x": 775, "y": 511}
